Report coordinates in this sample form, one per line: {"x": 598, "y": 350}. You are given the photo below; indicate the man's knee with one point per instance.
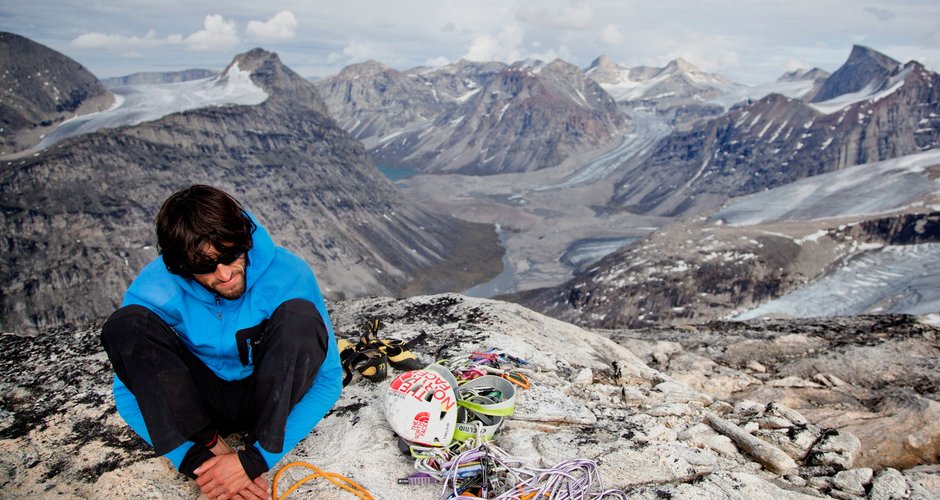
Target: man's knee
{"x": 298, "y": 323}
{"x": 131, "y": 325}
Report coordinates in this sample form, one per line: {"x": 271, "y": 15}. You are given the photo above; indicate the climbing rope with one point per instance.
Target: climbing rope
{"x": 337, "y": 479}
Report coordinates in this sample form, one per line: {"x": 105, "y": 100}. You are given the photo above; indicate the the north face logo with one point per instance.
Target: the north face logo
{"x": 420, "y": 424}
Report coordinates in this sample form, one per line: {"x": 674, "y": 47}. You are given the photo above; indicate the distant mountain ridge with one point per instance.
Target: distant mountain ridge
{"x": 685, "y": 95}
{"x": 778, "y": 140}
{"x": 474, "y": 118}
{"x": 150, "y": 77}
{"x": 78, "y": 216}
{"x": 694, "y": 271}
{"x": 39, "y": 89}
{"x": 678, "y": 79}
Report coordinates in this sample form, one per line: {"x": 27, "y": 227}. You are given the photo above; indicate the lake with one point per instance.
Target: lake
{"x": 397, "y": 173}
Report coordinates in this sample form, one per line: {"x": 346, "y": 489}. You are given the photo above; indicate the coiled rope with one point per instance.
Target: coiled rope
{"x": 337, "y": 479}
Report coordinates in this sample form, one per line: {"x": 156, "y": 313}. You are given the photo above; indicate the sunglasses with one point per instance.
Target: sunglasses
{"x": 225, "y": 258}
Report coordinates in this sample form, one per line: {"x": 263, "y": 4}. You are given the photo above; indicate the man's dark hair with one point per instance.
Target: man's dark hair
{"x": 197, "y": 215}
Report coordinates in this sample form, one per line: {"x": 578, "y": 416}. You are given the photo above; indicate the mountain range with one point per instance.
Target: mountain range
{"x": 777, "y": 140}
{"x": 568, "y": 164}
{"x": 678, "y": 178}
{"x": 77, "y": 215}
{"x": 847, "y": 183}
{"x": 473, "y": 118}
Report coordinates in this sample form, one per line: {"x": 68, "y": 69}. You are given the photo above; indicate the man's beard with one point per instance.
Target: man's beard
{"x": 232, "y": 293}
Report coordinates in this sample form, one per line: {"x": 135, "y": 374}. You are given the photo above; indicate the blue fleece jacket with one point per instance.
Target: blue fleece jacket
{"x": 207, "y": 324}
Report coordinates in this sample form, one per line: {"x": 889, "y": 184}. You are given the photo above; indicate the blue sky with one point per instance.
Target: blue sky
{"x": 748, "y": 41}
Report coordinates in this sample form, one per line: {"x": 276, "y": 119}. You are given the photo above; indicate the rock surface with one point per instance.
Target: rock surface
{"x": 874, "y": 377}
{"x": 648, "y": 432}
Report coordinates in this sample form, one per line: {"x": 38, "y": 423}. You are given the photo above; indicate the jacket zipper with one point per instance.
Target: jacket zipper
{"x": 218, "y": 303}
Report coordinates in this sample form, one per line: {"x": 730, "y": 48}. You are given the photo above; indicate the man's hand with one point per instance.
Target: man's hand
{"x": 222, "y": 477}
{"x": 251, "y": 493}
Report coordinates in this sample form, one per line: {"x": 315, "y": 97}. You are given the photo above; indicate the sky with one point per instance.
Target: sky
{"x": 749, "y": 41}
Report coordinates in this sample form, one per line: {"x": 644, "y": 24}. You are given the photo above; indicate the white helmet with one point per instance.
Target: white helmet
{"x": 421, "y": 406}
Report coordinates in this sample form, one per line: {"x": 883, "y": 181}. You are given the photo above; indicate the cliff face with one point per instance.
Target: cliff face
{"x": 39, "y": 89}
{"x": 78, "y": 216}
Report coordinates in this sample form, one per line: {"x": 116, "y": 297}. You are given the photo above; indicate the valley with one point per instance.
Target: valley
{"x": 549, "y": 180}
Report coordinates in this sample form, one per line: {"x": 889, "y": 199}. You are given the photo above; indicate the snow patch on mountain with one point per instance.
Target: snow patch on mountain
{"x": 625, "y": 84}
{"x": 141, "y": 103}
{"x": 899, "y": 279}
{"x": 872, "y": 92}
{"x": 867, "y": 189}
{"x": 742, "y": 93}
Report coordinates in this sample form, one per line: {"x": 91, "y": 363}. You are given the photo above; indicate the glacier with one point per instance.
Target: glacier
{"x": 136, "y": 104}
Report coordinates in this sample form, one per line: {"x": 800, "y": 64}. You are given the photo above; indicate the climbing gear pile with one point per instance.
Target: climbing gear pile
{"x": 492, "y": 362}
{"x": 487, "y": 471}
{"x": 370, "y": 356}
{"x": 452, "y": 407}
{"x": 456, "y": 399}
{"x": 470, "y": 464}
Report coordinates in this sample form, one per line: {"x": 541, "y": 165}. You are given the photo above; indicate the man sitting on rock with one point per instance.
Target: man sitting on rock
{"x": 223, "y": 332}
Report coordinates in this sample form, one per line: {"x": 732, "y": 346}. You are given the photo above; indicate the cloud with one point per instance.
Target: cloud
{"x": 575, "y": 16}
{"x": 505, "y": 46}
{"x": 610, "y": 35}
{"x": 793, "y": 64}
{"x": 708, "y": 52}
{"x": 881, "y": 14}
{"x": 361, "y": 51}
{"x": 437, "y": 62}
{"x": 218, "y": 34}
{"x": 123, "y": 43}
{"x": 283, "y": 26}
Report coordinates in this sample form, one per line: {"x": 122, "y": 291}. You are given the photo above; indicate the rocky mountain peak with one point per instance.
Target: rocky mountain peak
{"x": 254, "y": 58}
{"x": 680, "y": 65}
{"x": 862, "y": 55}
{"x": 682, "y": 68}
{"x": 563, "y": 69}
{"x": 601, "y": 62}
{"x": 365, "y": 69}
{"x": 605, "y": 71}
{"x": 282, "y": 83}
{"x": 803, "y": 74}
{"x": 865, "y": 67}
{"x": 39, "y": 89}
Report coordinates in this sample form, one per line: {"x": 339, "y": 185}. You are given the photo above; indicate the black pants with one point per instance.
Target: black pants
{"x": 179, "y": 396}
